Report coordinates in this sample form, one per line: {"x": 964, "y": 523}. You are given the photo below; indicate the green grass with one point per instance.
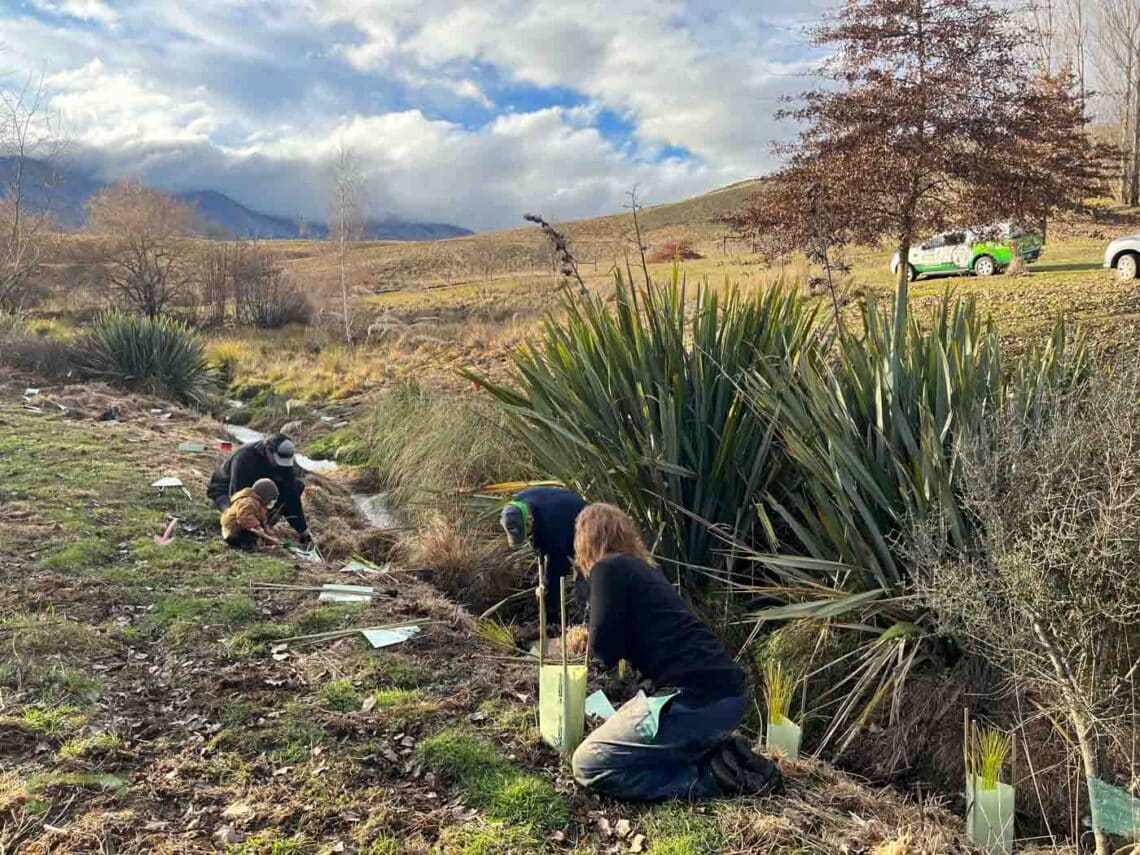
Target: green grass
{"x": 269, "y": 843}
{"x": 492, "y": 838}
{"x": 184, "y": 620}
{"x": 326, "y": 618}
{"x": 70, "y": 685}
{"x": 84, "y": 554}
{"x": 80, "y": 780}
{"x": 676, "y": 829}
{"x": 493, "y": 784}
{"x": 46, "y": 722}
{"x": 385, "y": 670}
{"x": 339, "y": 695}
{"x": 88, "y": 747}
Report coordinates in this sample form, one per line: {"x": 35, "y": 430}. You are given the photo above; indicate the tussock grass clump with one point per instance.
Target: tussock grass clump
{"x": 465, "y": 561}
{"x": 161, "y": 357}
{"x": 420, "y": 446}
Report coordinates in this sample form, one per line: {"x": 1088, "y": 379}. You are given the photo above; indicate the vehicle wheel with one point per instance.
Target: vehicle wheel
{"x": 911, "y": 273}
{"x": 1126, "y": 266}
{"x": 984, "y": 265}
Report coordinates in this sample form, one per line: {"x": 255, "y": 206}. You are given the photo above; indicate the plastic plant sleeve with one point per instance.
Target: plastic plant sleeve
{"x": 989, "y": 816}
{"x": 333, "y": 593}
{"x": 561, "y": 730}
{"x": 784, "y": 738}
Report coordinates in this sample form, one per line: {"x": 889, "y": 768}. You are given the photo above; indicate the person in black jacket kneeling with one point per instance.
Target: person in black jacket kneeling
{"x": 677, "y": 742}
{"x": 272, "y": 458}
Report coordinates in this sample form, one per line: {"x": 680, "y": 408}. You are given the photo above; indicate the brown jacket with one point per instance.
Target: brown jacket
{"x": 246, "y": 513}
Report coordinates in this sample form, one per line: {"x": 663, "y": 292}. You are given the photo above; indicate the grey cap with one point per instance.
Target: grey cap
{"x": 266, "y": 490}
{"x": 282, "y": 449}
{"x": 513, "y": 521}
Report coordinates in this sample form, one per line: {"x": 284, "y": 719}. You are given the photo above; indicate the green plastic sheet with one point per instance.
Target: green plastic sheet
{"x": 1117, "y": 811}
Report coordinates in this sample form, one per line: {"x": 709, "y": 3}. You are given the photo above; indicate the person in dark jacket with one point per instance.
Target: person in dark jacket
{"x": 545, "y": 516}
{"x": 272, "y": 458}
{"x": 676, "y": 742}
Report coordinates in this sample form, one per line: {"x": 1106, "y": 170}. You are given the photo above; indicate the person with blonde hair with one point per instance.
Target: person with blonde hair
{"x": 676, "y": 742}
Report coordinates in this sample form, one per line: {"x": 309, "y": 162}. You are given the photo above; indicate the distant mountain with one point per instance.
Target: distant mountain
{"x": 65, "y": 193}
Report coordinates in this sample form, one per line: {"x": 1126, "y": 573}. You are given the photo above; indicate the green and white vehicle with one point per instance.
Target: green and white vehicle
{"x": 967, "y": 251}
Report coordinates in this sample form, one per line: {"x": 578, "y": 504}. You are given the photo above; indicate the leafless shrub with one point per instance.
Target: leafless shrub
{"x": 214, "y": 277}
{"x": 1051, "y": 593}
{"x": 146, "y": 250}
{"x": 264, "y": 294}
{"x": 29, "y": 144}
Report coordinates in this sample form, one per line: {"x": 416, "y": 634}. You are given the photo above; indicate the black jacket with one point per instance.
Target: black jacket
{"x": 250, "y": 463}
{"x": 553, "y": 512}
{"x": 635, "y": 614}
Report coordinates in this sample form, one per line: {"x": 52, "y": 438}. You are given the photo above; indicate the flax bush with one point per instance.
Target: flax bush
{"x": 159, "y": 356}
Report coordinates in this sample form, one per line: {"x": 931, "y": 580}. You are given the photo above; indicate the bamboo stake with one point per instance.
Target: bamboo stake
{"x": 541, "y": 613}
{"x": 565, "y": 669}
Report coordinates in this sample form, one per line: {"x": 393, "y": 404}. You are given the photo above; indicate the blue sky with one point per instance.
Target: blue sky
{"x": 465, "y": 112}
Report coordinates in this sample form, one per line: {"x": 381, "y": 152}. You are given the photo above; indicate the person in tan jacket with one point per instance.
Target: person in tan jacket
{"x": 244, "y": 521}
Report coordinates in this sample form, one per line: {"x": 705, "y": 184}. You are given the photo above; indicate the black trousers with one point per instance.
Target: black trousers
{"x": 552, "y": 581}
{"x": 243, "y": 539}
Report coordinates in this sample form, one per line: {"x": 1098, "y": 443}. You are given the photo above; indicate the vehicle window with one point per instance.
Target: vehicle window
{"x": 936, "y": 242}
{"x": 955, "y": 238}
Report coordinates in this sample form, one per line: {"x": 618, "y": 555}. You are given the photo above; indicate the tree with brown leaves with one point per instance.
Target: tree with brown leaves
{"x": 930, "y": 116}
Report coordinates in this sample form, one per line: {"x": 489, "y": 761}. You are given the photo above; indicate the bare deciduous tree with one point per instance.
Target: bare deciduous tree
{"x": 345, "y": 220}
{"x": 30, "y": 143}
{"x": 1116, "y": 56}
{"x": 264, "y": 294}
{"x": 485, "y": 257}
{"x": 146, "y": 244}
{"x": 215, "y": 277}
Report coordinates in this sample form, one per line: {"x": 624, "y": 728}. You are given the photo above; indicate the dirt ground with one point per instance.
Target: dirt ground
{"x": 145, "y": 705}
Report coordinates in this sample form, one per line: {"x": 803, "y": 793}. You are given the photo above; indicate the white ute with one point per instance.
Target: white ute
{"x": 1124, "y": 254}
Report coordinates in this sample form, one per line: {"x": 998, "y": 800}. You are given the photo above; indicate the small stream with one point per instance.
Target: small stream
{"x": 372, "y": 506}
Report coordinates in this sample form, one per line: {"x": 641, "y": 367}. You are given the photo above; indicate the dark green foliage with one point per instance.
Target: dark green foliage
{"x": 161, "y": 357}
{"x": 640, "y": 404}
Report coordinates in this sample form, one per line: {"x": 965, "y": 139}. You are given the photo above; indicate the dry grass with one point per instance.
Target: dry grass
{"x": 468, "y": 564}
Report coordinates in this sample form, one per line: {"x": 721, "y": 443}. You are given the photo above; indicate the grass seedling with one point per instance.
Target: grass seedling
{"x": 496, "y": 634}
{"x": 986, "y": 753}
{"x": 779, "y": 685}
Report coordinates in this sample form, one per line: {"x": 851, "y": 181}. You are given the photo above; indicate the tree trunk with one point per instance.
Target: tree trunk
{"x": 1126, "y": 119}
{"x": 1134, "y": 178}
{"x": 1083, "y": 729}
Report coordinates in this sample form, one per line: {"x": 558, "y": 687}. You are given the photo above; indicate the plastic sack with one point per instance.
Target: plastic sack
{"x": 562, "y": 718}
{"x": 784, "y": 738}
{"x": 989, "y": 817}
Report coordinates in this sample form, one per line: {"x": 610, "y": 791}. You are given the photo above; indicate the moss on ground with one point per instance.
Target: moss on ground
{"x": 339, "y": 695}
{"x": 493, "y": 784}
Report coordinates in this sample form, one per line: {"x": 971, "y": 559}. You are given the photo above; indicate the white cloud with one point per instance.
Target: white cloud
{"x": 692, "y": 76}
{"x": 252, "y": 99}
{"x": 121, "y": 111}
{"x": 95, "y": 11}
